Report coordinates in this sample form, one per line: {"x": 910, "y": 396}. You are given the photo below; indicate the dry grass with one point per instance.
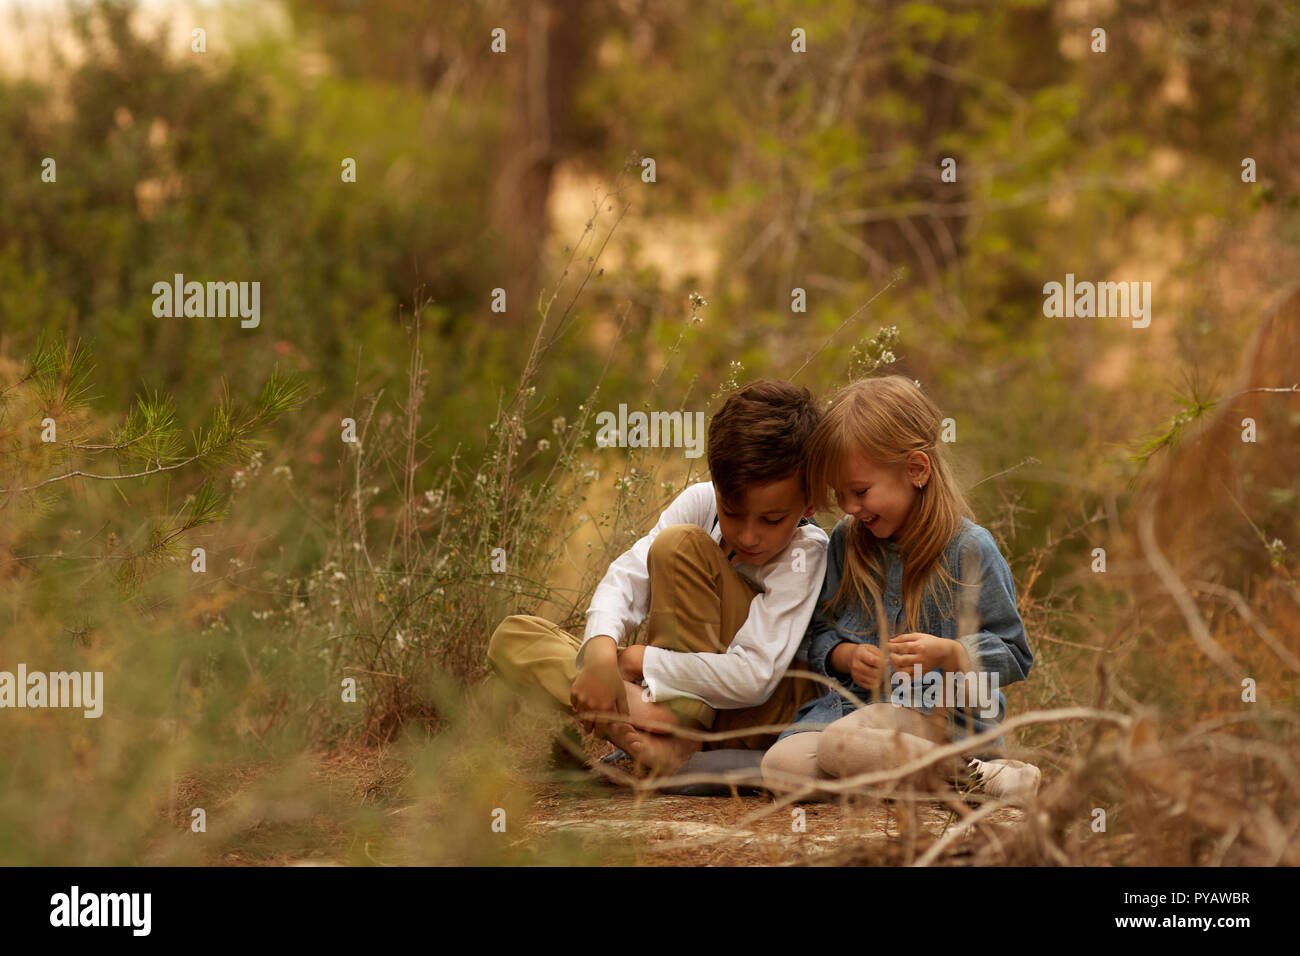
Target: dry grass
{"x": 1135, "y": 710}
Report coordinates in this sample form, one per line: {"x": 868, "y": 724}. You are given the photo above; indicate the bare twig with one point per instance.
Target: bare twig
{"x": 1174, "y": 585}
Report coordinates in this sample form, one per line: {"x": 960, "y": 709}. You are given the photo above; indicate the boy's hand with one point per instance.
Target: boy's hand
{"x": 630, "y": 661}
{"x": 864, "y": 665}
{"x": 908, "y": 650}
{"x": 599, "y": 685}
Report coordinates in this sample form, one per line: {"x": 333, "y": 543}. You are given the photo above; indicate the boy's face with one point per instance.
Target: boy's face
{"x": 761, "y": 524}
{"x": 881, "y": 498}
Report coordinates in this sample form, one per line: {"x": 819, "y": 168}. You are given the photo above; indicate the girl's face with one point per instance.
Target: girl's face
{"x": 881, "y": 498}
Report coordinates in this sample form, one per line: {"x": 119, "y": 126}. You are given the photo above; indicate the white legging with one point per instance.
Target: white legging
{"x": 873, "y": 738}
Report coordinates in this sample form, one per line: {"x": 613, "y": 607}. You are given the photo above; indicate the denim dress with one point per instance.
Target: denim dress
{"x": 998, "y": 647}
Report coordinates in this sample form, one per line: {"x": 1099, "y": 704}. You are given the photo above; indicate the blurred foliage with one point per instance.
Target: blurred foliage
{"x": 819, "y": 172}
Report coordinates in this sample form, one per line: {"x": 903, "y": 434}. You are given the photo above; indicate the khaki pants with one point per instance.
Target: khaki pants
{"x": 697, "y": 603}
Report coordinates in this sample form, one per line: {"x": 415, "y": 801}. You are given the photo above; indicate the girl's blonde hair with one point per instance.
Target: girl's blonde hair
{"x": 884, "y": 420}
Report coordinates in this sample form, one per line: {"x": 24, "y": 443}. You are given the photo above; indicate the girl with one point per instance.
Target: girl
{"x": 913, "y": 587}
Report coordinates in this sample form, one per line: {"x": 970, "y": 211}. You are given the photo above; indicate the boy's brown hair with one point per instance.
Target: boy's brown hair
{"x": 760, "y": 435}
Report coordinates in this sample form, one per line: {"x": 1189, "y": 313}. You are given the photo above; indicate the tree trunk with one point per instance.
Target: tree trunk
{"x": 545, "y": 62}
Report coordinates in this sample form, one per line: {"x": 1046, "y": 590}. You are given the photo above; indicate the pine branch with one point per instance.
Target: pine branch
{"x": 227, "y": 438}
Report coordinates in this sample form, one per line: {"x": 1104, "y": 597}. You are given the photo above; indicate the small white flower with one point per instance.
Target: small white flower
{"x": 543, "y": 444}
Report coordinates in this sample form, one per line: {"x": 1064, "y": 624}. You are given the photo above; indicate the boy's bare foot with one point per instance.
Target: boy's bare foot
{"x": 659, "y": 754}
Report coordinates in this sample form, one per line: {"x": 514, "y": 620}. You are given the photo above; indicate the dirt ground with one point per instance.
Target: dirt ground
{"x": 668, "y": 830}
{"x": 606, "y": 824}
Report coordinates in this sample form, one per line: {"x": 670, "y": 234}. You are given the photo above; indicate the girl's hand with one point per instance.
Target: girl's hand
{"x": 908, "y": 650}
{"x": 864, "y": 665}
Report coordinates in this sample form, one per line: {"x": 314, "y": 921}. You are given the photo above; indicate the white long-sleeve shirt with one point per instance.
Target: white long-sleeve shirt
{"x": 763, "y": 647}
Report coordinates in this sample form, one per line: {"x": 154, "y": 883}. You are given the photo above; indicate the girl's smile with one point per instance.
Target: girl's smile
{"x": 881, "y": 498}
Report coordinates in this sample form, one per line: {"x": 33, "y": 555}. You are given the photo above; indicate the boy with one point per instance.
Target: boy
{"x": 726, "y": 582}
